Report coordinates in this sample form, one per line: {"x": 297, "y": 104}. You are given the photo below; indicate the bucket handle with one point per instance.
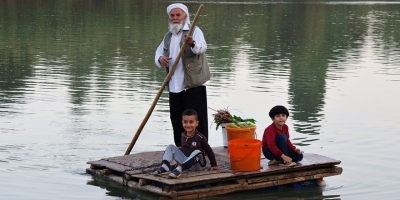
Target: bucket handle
{"x": 237, "y": 160}
{"x": 236, "y": 137}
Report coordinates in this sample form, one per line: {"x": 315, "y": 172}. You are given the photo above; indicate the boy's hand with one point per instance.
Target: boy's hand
{"x": 285, "y": 158}
{"x": 298, "y": 151}
{"x": 216, "y": 168}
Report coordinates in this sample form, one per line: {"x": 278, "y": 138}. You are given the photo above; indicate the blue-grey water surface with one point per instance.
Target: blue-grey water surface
{"x": 78, "y": 77}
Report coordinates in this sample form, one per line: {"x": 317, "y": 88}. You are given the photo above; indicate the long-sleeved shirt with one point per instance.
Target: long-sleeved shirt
{"x": 269, "y": 137}
{"x": 177, "y": 82}
{"x": 199, "y": 142}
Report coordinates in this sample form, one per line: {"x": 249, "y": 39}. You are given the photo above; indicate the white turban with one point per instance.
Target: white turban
{"x": 181, "y": 6}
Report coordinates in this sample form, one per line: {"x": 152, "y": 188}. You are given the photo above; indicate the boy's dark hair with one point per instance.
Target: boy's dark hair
{"x": 278, "y": 110}
{"x": 189, "y": 112}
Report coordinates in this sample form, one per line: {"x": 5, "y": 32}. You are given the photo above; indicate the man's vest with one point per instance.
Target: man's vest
{"x": 195, "y": 66}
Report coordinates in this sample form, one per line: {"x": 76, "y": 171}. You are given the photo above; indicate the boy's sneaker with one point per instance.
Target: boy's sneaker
{"x": 290, "y": 164}
{"x": 175, "y": 174}
{"x": 160, "y": 171}
{"x": 273, "y": 162}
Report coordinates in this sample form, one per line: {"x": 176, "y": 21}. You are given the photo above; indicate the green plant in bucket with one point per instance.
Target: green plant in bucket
{"x": 224, "y": 116}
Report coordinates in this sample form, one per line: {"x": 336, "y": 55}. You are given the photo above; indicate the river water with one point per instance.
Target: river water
{"x": 78, "y": 77}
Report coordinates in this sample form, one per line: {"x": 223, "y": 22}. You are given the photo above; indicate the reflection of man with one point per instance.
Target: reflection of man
{"x": 187, "y": 88}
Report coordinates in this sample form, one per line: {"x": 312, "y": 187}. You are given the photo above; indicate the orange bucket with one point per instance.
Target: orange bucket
{"x": 245, "y": 154}
{"x": 240, "y": 133}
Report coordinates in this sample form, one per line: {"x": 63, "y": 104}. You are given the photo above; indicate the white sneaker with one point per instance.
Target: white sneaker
{"x": 160, "y": 171}
{"x": 175, "y": 173}
{"x": 273, "y": 162}
{"x": 290, "y": 164}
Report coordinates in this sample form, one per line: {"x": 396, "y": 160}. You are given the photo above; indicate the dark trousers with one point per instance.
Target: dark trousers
{"x": 193, "y": 98}
{"x": 281, "y": 143}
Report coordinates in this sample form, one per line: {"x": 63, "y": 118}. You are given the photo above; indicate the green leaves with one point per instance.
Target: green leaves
{"x": 237, "y": 119}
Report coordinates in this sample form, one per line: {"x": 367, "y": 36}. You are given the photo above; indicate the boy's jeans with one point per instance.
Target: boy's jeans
{"x": 281, "y": 143}
{"x": 194, "y": 162}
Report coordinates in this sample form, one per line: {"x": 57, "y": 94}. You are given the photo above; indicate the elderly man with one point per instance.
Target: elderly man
{"x": 186, "y": 87}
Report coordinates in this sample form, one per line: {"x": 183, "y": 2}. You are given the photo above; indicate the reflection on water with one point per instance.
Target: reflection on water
{"x": 281, "y": 193}
{"x": 118, "y": 190}
{"x": 77, "y": 78}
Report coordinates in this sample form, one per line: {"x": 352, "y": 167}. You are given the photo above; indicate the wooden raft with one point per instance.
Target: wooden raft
{"x": 134, "y": 171}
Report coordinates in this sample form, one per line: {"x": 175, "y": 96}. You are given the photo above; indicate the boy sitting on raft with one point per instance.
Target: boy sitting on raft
{"x": 191, "y": 154}
{"x": 276, "y": 145}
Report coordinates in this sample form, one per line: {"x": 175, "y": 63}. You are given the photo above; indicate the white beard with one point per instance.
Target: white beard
{"x": 175, "y": 28}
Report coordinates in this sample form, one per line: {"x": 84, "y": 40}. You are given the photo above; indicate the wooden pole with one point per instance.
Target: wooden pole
{"x": 171, "y": 71}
